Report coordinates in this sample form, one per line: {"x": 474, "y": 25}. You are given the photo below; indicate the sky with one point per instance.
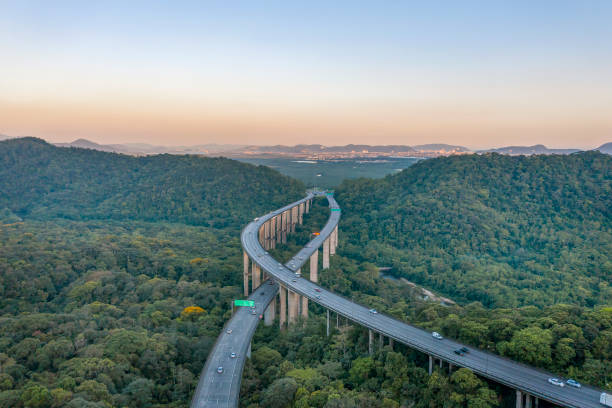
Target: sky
{"x": 473, "y": 73}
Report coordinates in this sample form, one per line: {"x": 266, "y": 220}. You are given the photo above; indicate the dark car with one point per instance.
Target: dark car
{"x": 465, "y": 349}
{"x": 460, "y": 352}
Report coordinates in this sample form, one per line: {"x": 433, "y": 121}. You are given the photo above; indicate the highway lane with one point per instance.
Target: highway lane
{"x": 221, "y": 390}
{"x": 499, "y": 369}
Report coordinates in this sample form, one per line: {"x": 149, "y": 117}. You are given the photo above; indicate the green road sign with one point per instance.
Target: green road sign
{"x": 335, "y": 209}
{"x": 248, "y": 303}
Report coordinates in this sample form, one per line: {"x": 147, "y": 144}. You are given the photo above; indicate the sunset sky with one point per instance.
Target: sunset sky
{"x": 478, "y": 74}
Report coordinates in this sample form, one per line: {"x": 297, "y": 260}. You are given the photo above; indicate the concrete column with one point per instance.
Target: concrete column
{"x": 381, "y": 340}
{"x": 430, "y": 365}
{"x": 282, "y": 318}
{"x": 273, "y": 232}
{"x": 527, "y": 401}
{"x": 285, "y": 226}
{"x": 245, "y": 273}
{"x": 370, "y": 340}
{"x": 537, "y": 402}
{"x": 440, "y": 363}
{"x": 332, "y": 242}
{"x": 249, "y": 351}
{"x": 255, "y": 271}
{"x": 270, "y": 313}
{"x": 337, "y": 320}
{"x": 314, "y": 266}
{"x": 326, "y": 253}
{"x": 391, "y": 343}
{"x": 327, "y": 322}
{"x": 304, "y": 307}
{"x": 450, "y": 368}
{"x": 519, "y": 399}
{"x": 302, "y": 210}
{"x": 279, "y": 228}
{"x": 307, "y": 206}
{"x": 293, "y": 306}
{"x": 262, "y": 238}
{"x": 294, "y": 218}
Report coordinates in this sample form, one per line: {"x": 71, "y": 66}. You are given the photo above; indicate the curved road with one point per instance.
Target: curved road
{"x": 496, "y": 368}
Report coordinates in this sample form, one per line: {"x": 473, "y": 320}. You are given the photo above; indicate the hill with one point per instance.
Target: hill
{"x": 39, "y": 180}
{"x": 502, "y": 230}
{"x": 529, "y": 150}
{"x": 605, "y": 148}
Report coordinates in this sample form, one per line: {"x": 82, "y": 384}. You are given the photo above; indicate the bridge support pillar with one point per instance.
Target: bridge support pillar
{"x": 256, "y": 272}
{"x": 270, "y": 313}
{"x": 245, "y": 273}
{"x": 327, "y": 323}
{"x": 314, "y": 266}
{"x": 326, "y": 253}
{"x": 301, "y": 213}
{"x": 304, "y": 307}
{"x": 537, "y": 402}
{"x": 391, "y": 343}
{"x": 440, "y": 363}
{"x": 284, "y": 216}
{"x": 272, "y": 232}
{"x": 282, "y": 318}
{"x": 430, "y": 365}
{"x": 332, "y": 242}
{"x": 382, "y": 340}
{"x": 249, "y": 351}
{"x": 450, "y": 368}
{"x": 519, "y": 399}
{"x": 370, "y": 340}
{"x": 293, "y": 306}
{"x": 527, "y": 401}
{"x": 307, "y": 206}
{"x": 337, "y": 320}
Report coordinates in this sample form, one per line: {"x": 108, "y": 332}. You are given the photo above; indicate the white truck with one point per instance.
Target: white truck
{"x": 605, "y": 399}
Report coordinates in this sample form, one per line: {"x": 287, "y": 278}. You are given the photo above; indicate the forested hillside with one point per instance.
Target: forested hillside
{"x": 116, "y": 272}
{"x": 42, "y": 181}
{"x": 505, "y": 231}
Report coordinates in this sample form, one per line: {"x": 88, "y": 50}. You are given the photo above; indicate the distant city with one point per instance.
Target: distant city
{"x": 317, "y": 151}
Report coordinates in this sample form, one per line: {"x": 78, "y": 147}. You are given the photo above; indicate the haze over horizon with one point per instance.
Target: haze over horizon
{"x": 474, "y": 74}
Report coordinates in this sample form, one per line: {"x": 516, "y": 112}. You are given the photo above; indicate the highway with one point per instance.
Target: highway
{"x": 221, "y": 390}
{"x": 499, "y": 369}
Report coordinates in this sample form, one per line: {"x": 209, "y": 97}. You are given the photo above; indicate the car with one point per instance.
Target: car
{"x": 437, "y": 335}
{"x": 298, "y": 274}
{"x": 262, "y": 293}
{"x": 459, "y": 352}
{"x": 229, "y": 331}
{"x": 220, "y": 370}
{"x": 318, "y": 296}
{"x": 293, "y": 280}
{"x": 373, "y": 311}
{"x": 573, "y": 383}
{"x": 232, "y": 355}
{"x": 317, "y": 290}
{"x": 557, "y": 382}
{"x": 465, "y": 349}
{"x": 253, "y": 312}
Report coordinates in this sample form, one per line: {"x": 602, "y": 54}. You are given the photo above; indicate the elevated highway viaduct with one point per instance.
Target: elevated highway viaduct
{"x": 222, "y": 389}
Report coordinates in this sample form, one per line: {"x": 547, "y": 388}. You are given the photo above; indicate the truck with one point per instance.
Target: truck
{"x": 605, "y": 399}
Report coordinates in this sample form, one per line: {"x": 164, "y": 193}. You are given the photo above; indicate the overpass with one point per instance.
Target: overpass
{"x": 221, "y": 390}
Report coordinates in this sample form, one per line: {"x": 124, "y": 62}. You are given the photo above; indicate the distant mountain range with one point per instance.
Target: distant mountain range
{"x": 529, "y": 150}
{"x": 314, "y": 151}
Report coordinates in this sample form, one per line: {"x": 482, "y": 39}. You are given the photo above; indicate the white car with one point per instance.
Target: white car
{"x": 229, "y": 331}
{"x": 436, "y": 335}
{"x": 233, "y": 355}
{"x": 373, "y": 311}
{"x": 220, "y": 370}
{"x": 557, "y": 382}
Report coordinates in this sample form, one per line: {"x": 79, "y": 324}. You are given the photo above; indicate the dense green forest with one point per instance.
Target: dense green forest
{"x": 96, "y": 298}
{"x": 42, "y": 181}
{"x": 504, "y": 231}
